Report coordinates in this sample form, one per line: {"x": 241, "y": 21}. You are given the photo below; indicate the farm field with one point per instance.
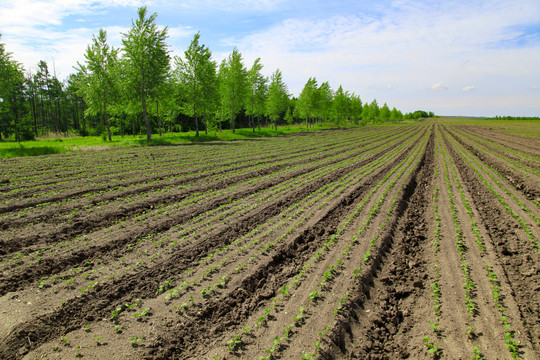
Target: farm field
{"x": 378, "y": 242}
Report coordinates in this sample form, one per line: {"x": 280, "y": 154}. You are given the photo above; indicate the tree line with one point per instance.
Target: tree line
{"x": 141, "y": 88}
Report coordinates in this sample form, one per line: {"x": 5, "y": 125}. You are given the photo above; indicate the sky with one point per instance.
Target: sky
{"x": 459, "y": 58}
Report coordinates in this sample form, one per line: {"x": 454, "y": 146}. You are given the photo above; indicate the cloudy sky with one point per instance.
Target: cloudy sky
{"x": 469, "y": 57}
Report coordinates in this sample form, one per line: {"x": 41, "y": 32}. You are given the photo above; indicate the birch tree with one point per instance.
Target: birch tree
{"x": 98, "y": 84}
{"x": 147, "y": 60}
{"x": 278, "y": 98}
{"x": 257, "y": 91}
{"x": 197, "y": 75}
{"x": 233, "y": 84}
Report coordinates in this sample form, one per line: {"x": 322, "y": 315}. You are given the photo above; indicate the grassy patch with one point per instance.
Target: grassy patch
{"x": 19, "y": 151}
{"x": 45, "y": 146}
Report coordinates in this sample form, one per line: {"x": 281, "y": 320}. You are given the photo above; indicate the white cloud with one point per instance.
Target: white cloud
{"x": 439, "y": 86}
{"x": 411, "y": 45}
{"x": 230, "y": 5}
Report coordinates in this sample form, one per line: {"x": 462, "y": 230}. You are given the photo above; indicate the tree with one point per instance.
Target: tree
{"x": 147, "y": 60}
{"x": 197, "y": 74}
{"x": 307, "y": 101}
{"x": 385, "y": 113}
{"x": 97, "y": 83}
{"x": 257, "y": 91}
{"x": 326, "y": 97}
{"x": 356, "y": 108}
{"x": 278, "y": 98}
{"x": 288, "y": 117}
{"x": 233, "y": 83}
{"x": 12, "y": 84}
{"x": 341, "y": 104}
{"x": 396, "y": 115}
{"x": 374, "y": 110}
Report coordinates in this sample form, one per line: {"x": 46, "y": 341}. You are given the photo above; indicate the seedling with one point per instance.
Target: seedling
{"x": 135, "y": 341}
{"x": 98, "y": 338}
{"x": 65, "y": 340}
{"x": 142, "y": 314}
{"x": 435, "y": 327}
{"x": 314, "y": 295}
{"x": 235, "y": 343}
{"x": 432, "y": 348}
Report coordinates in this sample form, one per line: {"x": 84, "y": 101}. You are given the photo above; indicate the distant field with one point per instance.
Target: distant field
{"x": 402, "y": 241}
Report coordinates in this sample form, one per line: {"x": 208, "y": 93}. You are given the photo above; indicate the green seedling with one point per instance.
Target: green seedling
{"x": 235, "y": 343}
{"x": 432, "y": 348}
{"x": 98, "y": 338}
{"x": 314, "y": 295}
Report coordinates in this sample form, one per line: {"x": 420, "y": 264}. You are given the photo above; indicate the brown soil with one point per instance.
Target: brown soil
{"x": 307, "y": 246}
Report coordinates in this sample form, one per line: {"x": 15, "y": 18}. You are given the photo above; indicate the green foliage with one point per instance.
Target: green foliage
{"x": 97, "y": 81}
{"x": 308, "y": 100}
{"x": 197, "y": 79}
{"x": 278, "y": 98}
{"x": 127, "y": 90}
{"x": 233, "y": 84}
{"x": 146, "y": 60}
{"x": 257, "y": 84}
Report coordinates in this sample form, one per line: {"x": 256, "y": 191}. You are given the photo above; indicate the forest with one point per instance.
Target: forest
{"x": 140, "y": 88}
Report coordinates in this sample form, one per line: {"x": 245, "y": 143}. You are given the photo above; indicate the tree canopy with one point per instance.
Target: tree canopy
{"x": 135, "y": 88}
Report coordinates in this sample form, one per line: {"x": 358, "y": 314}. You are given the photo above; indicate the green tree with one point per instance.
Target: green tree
{"x": 12, "y": 86}
{"x": 147, "y": 60}
{"x": 326, "y": 98}
{"x": 385, "y": 113}
{"x": 356, "y": 108}
{"x": 396, "y": 115}
{"x": 98, "y": 81}
{"x": 374, "y": 110}
{"x": 233, "y": 84}
{"x": 307, "y": 101}
{"x": 288, "y": 117}
{"x": 197, "y": 74}
{"x": 278, "y": 98}
{"x": 257, "y": 91}
{"x": 366, "y": 113}
{"x": 341, "y": 104}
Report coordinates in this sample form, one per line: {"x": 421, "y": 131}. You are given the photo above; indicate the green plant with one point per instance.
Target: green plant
{"x": 435, "y": 327}
{"x": 65, "y": 340}
{"x": 98, "y": 339}
{"x": 314, "y": 295}
{"x": 476, "y": 354}
{"x": 135, "y": 341}
{"x": 234, "y": 343}
{"x": 432, "y": 348}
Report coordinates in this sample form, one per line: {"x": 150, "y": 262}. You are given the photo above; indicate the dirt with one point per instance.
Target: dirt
{"x": 316, "y": 246}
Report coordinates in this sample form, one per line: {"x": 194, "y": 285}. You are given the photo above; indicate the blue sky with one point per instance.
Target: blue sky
{"x": 479, "y": 58}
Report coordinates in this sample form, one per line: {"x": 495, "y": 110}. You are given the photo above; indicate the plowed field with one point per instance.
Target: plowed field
{"x": 406, "y": 241}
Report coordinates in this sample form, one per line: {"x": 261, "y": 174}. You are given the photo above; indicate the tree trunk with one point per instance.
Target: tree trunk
{"x": 232, "y": 115}
{"x": 146, "y": 121}
{"x": 34, "y": 114}
{"x": 107, "y": 121}
{"x": 252, "y": 120}
{"x": 196, "y": 120}
{"x": 16, "y": 113}
{"x": 158, "y": 119}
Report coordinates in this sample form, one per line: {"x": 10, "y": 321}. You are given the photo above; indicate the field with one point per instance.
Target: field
{"x": 379, "y": 242}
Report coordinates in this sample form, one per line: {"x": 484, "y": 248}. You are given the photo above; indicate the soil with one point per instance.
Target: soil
{"x": 316, "y": 246}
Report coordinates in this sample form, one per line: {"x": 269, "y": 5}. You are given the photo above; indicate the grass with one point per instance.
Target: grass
{"x": 60, "y": 144}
